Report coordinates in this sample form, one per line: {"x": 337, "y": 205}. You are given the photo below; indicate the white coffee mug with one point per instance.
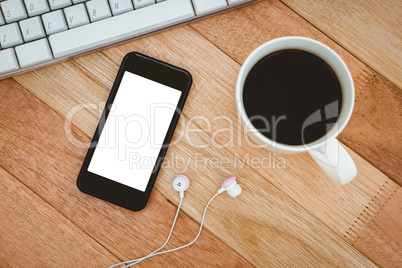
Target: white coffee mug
{"x": 326, "y": 151}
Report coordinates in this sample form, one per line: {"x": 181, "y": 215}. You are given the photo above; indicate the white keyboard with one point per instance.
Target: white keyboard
{"x": 35, "y": 33}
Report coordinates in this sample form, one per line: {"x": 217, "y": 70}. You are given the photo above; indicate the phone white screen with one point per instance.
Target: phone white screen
{"x": 134, "y": 131}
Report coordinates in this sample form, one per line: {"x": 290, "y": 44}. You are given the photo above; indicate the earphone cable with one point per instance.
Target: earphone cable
{"x": 135, "y": 261}
{"x": 174, "y": 249}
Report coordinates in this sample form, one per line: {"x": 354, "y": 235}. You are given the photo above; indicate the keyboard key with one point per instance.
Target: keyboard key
{"x": 142, "y": 3}
{"x": 55, "y": 4}
{"x": 13, "y": 10}
{"x": 78, "y": 1}
{"x": 8, "y": 60}
{"x": 32, "y": 29}
{"x": 10, "y": 35}
{"x": 204, "y": 6}
{"x": 33, "y": 53}
{"x": 98, "y": 9}
{"x": 1, "y": 19}
{"x": 76, "y": 15}
{"x": 120, "y": 27}
{"x": 54, "y": 22}
{"x": 36, "y": 7}
{"x": 120, "y": 6}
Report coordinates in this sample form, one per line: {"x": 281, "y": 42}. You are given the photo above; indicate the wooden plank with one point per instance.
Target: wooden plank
{"x": 36, "y": 150}
{"x": 378, "y": 103}
{"x": 378, "y": 107}
{"x": 369, "y": 29}
{"x": 34, "y": 234}
{"x": 265, "y": 218}
{"x": 76, "y": 83}
{"x": 384, "y": 228}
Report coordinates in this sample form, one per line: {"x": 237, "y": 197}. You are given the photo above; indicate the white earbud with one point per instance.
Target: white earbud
{"x": 231, "y": 186}
{"x": 181, "y": 183}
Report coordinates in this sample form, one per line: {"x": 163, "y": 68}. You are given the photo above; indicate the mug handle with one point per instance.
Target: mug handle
{"x": 335, "y": 161}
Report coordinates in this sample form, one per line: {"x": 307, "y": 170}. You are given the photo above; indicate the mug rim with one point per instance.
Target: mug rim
{"x": 346, "y": 111}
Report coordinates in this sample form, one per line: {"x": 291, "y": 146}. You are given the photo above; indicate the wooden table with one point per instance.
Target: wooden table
{"x": 289, "y": 214}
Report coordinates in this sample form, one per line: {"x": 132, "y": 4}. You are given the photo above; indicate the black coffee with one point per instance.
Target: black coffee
{"x": 292, "y": 97}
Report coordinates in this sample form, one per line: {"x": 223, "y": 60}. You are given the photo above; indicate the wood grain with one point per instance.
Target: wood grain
{"x": 36, "y": 150}
{"x": 263, "y": 203}
{"x": 369, "y": 29}
{"x": 378, "y": 108}
{"x": 384, "y": 228}
{"x": 34, "y": 234}
{"x": 378, "y": 103}
{"x": 287, "y": 215}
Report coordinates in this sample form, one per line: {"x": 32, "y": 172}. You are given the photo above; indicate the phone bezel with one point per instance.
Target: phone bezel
{"x": 110, "y": 190}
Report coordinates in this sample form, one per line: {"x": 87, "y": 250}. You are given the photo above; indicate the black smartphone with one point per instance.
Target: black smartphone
{"x": 134, "y": 131}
